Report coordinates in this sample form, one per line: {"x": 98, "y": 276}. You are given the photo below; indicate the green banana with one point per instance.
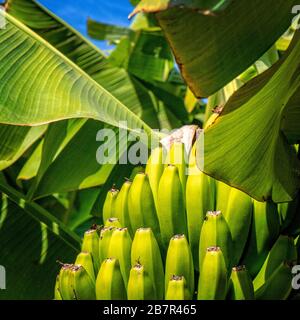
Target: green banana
{"x": 120, "y": 248}
{"x": 279, "y": 284}
{"x": 90, "y": 244}
{"x": 213, "y": 282}
{"x": 200, "y": 198}
{"x": 238, "y": 215}
{"x": 109, "y": 282}
{"x": 178, "y": 158}
{"x": 113, "y": 222}
{"x": 240, "y": 284}
{"x": 154, "y": 169}
{"x": 104, "y": 241}
{"x": 141, "y": 207}
{"x": 215, "y": 233}
{"x": 121, "y": 206}
{"x": 85, "y": 259}
{"x": 177, "y": 289}
{"x": 222, "y": 195}
{"x": 57, "y": 295}
{"x": 135, "y": 171}
{"x": 171, "y": 209}
{"x": 81, "y": 284}
{"x": 109, "y": 204}
{"x": 64, "y": 281}
{"x": 145, "y": 251}
{"x": 180, "y": 262}
{"x": 287, "y": 212}
{"x": 264, "y": 232}
{"x": 140, "y": 285}
{"x": 284, "y": 249}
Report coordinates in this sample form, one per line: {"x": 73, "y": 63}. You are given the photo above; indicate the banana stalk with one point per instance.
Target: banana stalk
{"x": 177, "y": 289}
{"x": 145, "y": 251}
{"x": 109, "y": 282}
{"x": 141, "y": 207}
{"x": 215, "y": 233}
{"x": 171, "y": 209}
{"x": 240, "y": 284}
{"x": 213, "y": 276}
{"x": 180, "y": 262}
{"x": 120, "y": 248}
{"x": 140, "y": 285}
{"x": 109, "y": 204}
{"x": 264, "y": 232}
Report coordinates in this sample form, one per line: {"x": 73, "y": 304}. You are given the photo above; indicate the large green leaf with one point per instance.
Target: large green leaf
{"x": 213, "y": 49}
{"x": 49, "y": 81}
{"x": 14, "y": 141}
{"x": 102, "y": 31}
{"x": 246, "y": 146}
{"x": 32, "y": 240}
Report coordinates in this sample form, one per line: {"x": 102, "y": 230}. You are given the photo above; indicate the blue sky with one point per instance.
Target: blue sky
{"x": 76, "y": 12}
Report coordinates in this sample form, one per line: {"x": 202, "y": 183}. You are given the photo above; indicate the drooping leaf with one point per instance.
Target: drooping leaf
{"x": 246, "y": 146}
{"x": 49, "y": 81}
{"x": 102, "y": 31}
{"x": 14, "y": 141}
{"x": 214, "y": 48}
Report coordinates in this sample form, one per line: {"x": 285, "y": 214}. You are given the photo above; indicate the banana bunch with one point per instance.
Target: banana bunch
{"x": 177, "y": 236}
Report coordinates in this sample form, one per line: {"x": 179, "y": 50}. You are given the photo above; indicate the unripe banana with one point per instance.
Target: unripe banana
{"x": 109, "y": 204}
{"x": 177, "y": 157}
{"x": 200, "y": 198}
{"x": 222, "y": 195}
{"x": 135, "y": 171}
{"x": 121, "y": 205}
{"x": 240, "y": 284}
{"x": 140, "y": 285}
{"x": 284, "y": 249}
{"x": 141, "y": 207}
{"x": 287, "y": 213}
{"x": 215, "y": 233}
{"x": 85, "y": 259}
{"x": 57, "y": 295}
{"x": 154, "y": 169}
{"x": 64, "y": 282}
{"x": 180, "y": 262}
{"x": 238, "y": 215}
{"x": 104, "y": 241}
{"x": 113, "y": 222}
{"x": 279, "y": 284}
{"x": 264, "y": 232}
{"x": 145, "y": 251}
{"x": 171, "y": 209}
{"x": 213, "y": 276}
{"x": 120, "y": 248}
{"x": 109, "y": 282}
{"x": 177, "y": 289}
{"x": 82, "y": 286}
{"x": 90, "y": 244}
